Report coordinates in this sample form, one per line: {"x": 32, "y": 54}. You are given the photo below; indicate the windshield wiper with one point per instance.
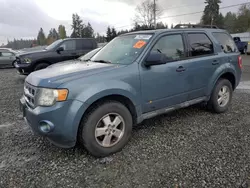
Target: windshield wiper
{"x": 102, "y": 61}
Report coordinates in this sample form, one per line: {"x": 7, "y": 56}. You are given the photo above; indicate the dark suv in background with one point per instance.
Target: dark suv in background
{"x": 60, "y": 50}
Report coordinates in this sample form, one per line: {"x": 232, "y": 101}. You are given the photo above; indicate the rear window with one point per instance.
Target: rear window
{"x": 200, "y": 44}
{"x": 226, "y": 42}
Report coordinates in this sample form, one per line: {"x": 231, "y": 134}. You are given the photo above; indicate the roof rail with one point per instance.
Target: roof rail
{"x": 180, "y": 26}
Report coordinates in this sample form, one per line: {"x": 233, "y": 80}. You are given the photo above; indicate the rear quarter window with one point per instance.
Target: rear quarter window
{"x": 226, "y": 42}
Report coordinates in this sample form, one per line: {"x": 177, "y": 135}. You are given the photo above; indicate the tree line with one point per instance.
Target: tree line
{"x": 234, "y": 22}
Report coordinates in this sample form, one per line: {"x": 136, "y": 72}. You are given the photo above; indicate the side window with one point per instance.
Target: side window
{"x": 200, "y": 44}
{"x": 69, "y": 45}
{"x": 87, "y": 44}
{"x": 171, "y": 45}
{"x": 226, "y": 42}
{"x": 6, "y": 54}
{"x": 84, "y": 44}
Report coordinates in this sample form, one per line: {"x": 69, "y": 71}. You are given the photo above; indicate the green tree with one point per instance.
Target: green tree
{"x": 77, "y": 26}
{"x": 88, "y": 31}
{"x": 62, "y": 32}
{"x": 230, "y": 21}
{"x": 108, "y": 34}
{"x": 41, "y": 39}
{"x": 172, "y": 26}
{"x": 220, "y": 21}
{"x": 243, "y": 21}
{"x": 211, "y": 12}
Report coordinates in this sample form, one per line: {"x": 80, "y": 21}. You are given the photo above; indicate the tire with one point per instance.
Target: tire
{"x": 87, "y": 134}
{"x": 214, "y": 104}
{"x": 41, "y": 66}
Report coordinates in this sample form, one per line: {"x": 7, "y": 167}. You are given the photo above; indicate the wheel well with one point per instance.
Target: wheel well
{"x": 39, "y": 62}
{"x": 119, "y": 98}
{"x": 43, "y": 61}
{"x": 230, "y": 77}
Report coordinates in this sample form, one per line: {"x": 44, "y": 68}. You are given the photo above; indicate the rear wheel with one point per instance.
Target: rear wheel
{"x": 221, "y": 96}
{"x": 106, "y": 129}
{"x": 41, "y": 66}
{"x": 245, "y": 50}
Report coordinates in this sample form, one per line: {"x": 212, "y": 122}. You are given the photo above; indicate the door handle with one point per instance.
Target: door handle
{"x": 215, "y": 62}
{"x": 180, "y": 69}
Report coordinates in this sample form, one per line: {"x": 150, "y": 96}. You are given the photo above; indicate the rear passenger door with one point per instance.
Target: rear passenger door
{"x": 203, "y": 62}
{"x": 84, "y": 46}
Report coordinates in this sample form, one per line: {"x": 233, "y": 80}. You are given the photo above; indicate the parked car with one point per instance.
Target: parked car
{"x": 60, "y": 50}
{"x": 7, "y": 57}
{"x": 242, "y": 46}
{"x": 136, "y": 76}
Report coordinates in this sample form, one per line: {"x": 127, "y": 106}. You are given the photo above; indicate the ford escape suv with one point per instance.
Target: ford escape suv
{"x": 135, "y": 77}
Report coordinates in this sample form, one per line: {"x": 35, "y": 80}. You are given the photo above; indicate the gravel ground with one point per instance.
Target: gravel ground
{"x": 187, "y": 148}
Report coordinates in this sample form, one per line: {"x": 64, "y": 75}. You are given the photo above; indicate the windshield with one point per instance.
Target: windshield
{"x": 123, "y": 49}
{"x": 53, "y": 45}
{"x": 89, "y": 55}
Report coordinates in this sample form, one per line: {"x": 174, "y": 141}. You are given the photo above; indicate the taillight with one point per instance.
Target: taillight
{"x": 240, "y": 62}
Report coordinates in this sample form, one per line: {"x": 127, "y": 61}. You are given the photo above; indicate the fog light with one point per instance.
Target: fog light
{"x": 46, "y": 126}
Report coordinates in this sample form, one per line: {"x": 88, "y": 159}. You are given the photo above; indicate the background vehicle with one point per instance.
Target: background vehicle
{"x": 60, "y": 50}
{"x": 242, "y": 46}
{"x": 134, "y": 77}
{"x": 85, "y": 57}
{"x": 7, "y": 57}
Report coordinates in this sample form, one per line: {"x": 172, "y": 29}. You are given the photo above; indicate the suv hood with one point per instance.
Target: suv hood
{"x": 54, "y": 76}
{"x": 31, "y": 53}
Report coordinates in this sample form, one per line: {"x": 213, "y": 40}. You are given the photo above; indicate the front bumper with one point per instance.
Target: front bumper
{"x": 65, "y": 116}
{"x": 23, "y": 69}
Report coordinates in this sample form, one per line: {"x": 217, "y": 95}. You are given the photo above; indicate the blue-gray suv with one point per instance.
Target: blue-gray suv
{"x": 135, "y": 77}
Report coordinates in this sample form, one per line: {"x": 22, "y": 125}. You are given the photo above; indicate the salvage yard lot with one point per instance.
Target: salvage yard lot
{"x": 187, "y": 148}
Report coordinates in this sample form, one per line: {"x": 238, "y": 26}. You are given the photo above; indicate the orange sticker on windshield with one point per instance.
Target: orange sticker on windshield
{"x": 139, "y": 44}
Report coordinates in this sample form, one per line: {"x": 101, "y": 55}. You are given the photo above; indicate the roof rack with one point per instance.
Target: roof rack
{"x": 181, "y": 26}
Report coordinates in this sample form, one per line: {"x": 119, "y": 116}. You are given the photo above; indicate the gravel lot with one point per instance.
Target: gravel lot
{"x": 187, "y": 148}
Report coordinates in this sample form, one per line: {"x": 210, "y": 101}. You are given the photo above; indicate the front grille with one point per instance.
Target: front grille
{"x": 29, "y": 94}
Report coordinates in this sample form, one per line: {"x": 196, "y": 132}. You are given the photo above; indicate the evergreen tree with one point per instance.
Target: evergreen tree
{"x": 41, "y": 40}
{"x": 230, "y": 21}
{"x": 88, "y": 31}
{"x": 113, "y": 33}
{"x": 109, "y": 34}
{"x": 77, "y": 26}
{"x": 62, "y": 32}
{"x": 211, "y": 12}
{"x": 172, "y": 26}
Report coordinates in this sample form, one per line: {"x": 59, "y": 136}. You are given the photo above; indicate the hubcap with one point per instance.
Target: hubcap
{"x": 223, "y": 96}
{"x": 109, "y": 130}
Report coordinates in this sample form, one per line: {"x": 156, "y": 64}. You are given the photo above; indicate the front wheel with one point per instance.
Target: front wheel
{"x": 106, "y": 129}
{"x": 221, "y": 96}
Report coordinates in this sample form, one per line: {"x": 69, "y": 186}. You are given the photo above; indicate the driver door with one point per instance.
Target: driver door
{"x": 167, "y": 84}
{"x": 69, "y": 51}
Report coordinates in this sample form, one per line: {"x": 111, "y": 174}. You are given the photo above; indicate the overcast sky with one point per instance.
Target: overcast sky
{"x": 23, "y": 18}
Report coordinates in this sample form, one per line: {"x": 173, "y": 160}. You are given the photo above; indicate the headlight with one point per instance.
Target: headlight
{"x": 27, "y": 60}
{"x": 48, "y": 97}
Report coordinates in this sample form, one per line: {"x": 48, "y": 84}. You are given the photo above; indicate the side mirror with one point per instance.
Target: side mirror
{"x": 155, "y": 59}
{"x": 60, "y": 49}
